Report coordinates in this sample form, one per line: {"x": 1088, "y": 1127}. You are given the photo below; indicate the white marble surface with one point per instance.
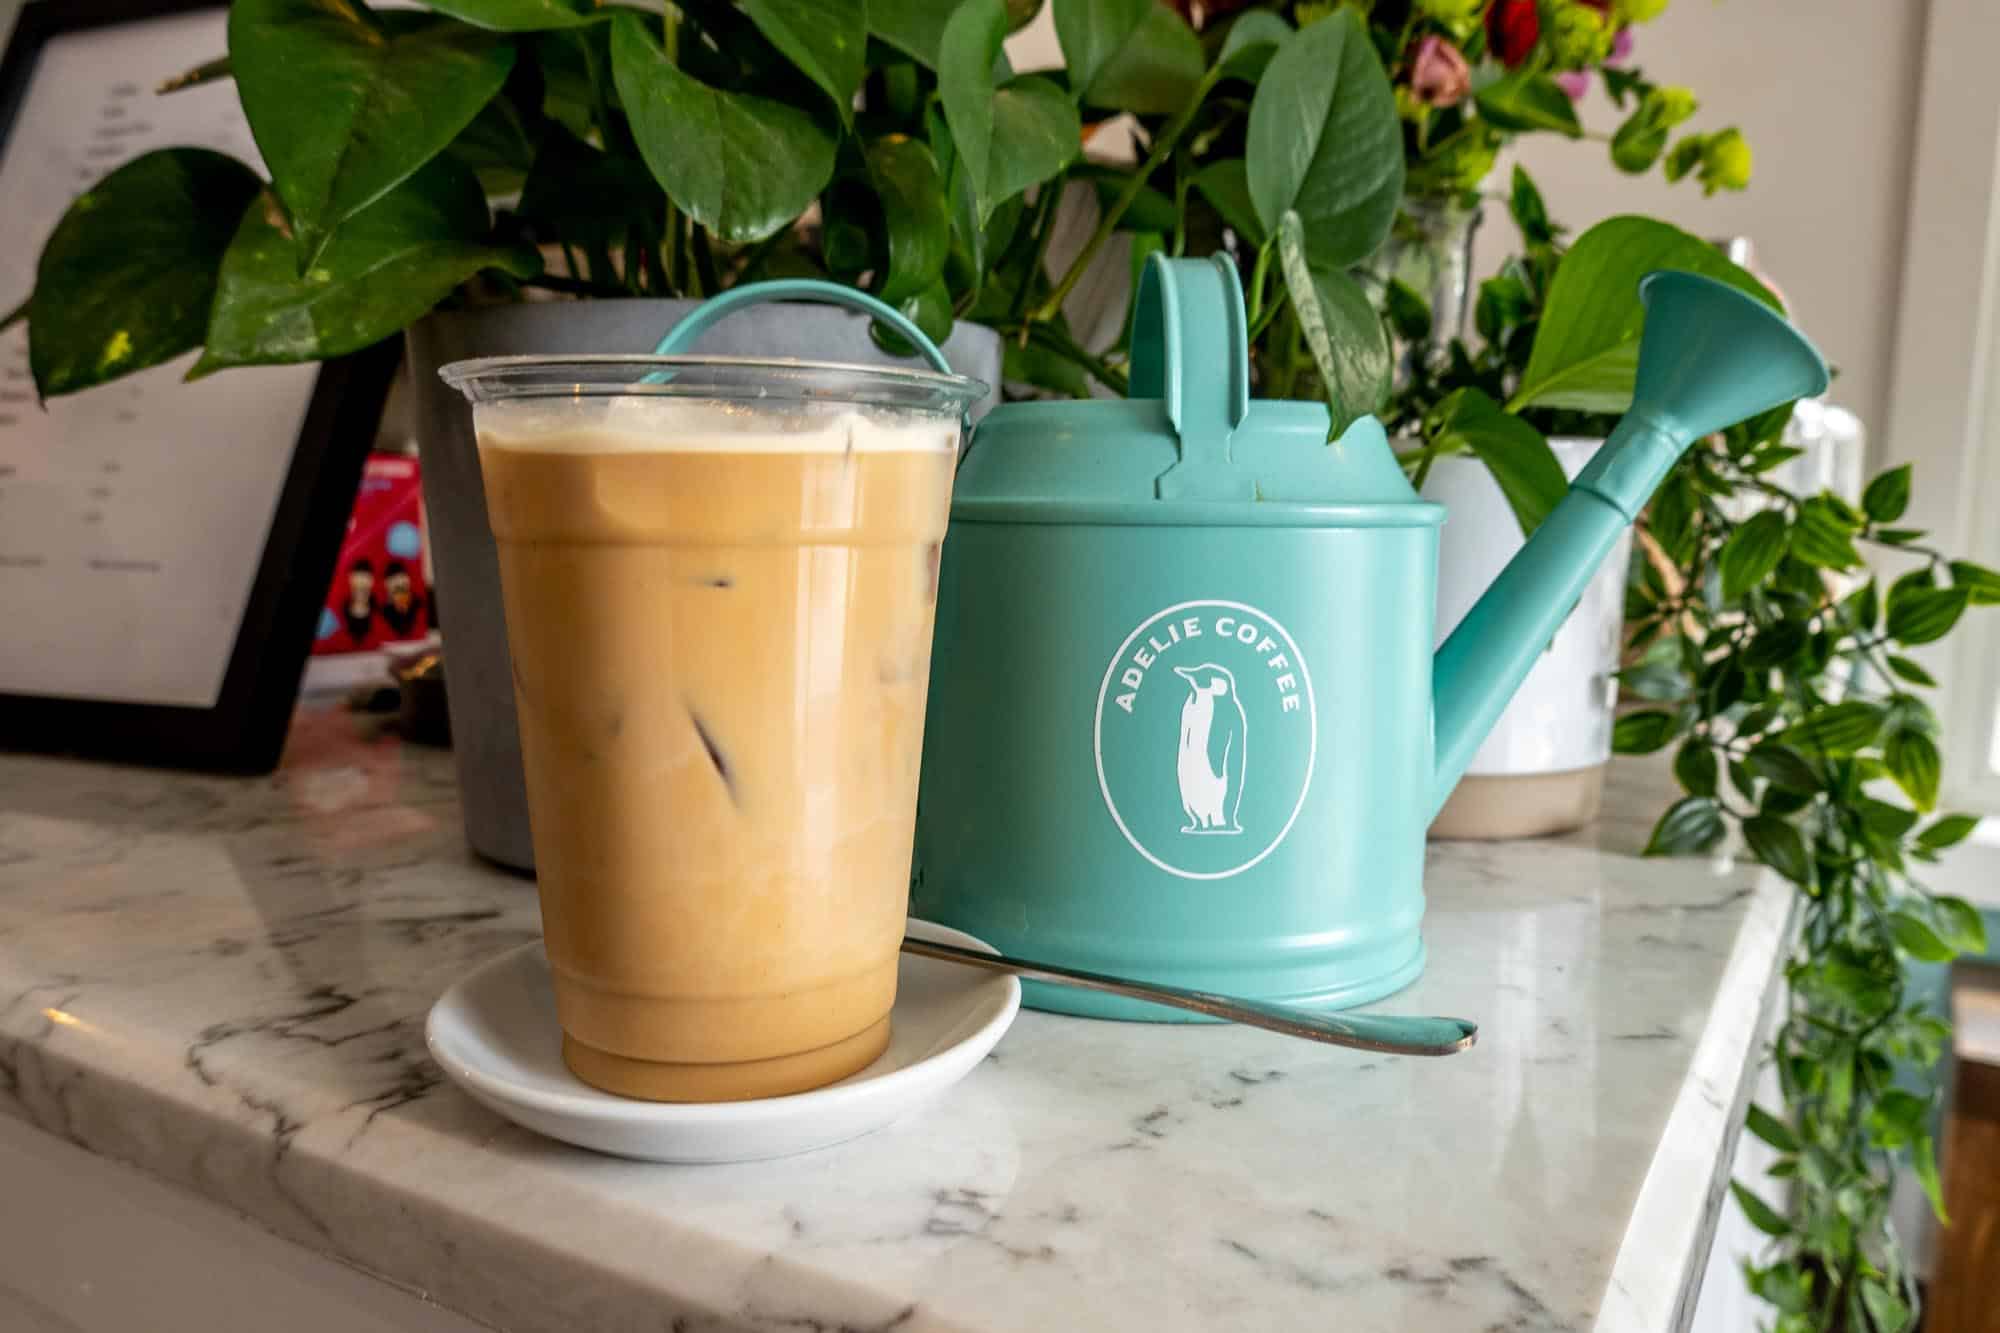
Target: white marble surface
{"x": 224, "y": 981}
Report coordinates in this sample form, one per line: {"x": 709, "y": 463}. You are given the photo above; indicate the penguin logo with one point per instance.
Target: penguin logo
{"x": 1210, "y": 762}
{"x": 1176, "y": 706}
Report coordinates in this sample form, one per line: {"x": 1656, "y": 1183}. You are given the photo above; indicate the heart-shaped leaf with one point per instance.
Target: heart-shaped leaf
{"x": 1129, "y": 55}
{"x": 1324, "y": 141}
{"x": 1250, "y": 43}
{"x": 346, "y": 103}
{"x": 522, "y": 15}
{"x": 1226, "y": 186}
{"x": 127, "y": 277}
{"x": 1517, "y": 454}
{"x": 1008, "y": 138}
{"x": 905, "y": 178}
{"x": 385, "y": 270}
{"x": 578, "y": 192}
{"x": 743, "y": 166}
{"x": 1340, "y": 326}
{"x": 826, "y": 39}
{"x": 914, "y": 27}
{"x": 1092, "y": 33}
{"x": 1586, "y": 350}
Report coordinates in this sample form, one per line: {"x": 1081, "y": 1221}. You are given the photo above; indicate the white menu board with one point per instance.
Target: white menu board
{"x": 133, "y": 516}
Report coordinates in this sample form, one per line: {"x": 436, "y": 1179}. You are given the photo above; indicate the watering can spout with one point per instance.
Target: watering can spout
{"x": 1710, "y": 357}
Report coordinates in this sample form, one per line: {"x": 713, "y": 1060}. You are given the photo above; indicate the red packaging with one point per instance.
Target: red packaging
{"x": 379, "y": 594}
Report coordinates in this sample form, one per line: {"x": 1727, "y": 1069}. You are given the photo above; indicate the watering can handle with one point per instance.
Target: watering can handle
{"x": 1191, "y": 348}
{"x": 683, "y": 335}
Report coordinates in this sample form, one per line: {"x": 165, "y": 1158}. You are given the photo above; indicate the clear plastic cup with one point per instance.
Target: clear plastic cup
{"x": 719, "y": 577}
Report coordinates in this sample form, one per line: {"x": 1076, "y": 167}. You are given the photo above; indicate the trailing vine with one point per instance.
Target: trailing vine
{"x": 1776, "y": 660}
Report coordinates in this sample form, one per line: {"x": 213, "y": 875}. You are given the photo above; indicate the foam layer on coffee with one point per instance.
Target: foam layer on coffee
{"x": 634, "y": 425}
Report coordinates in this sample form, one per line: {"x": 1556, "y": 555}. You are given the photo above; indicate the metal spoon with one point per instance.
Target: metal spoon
{"x": 1390, "y": 1034}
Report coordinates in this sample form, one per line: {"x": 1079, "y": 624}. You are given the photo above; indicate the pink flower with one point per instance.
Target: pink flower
{"x": 1621, "y": 47}
{"x": 1575, "y": 82}
{"x": 1439, "y": 75}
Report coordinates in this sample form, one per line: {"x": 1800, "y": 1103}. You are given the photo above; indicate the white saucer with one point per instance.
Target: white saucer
{"x": 495, "y": 1034}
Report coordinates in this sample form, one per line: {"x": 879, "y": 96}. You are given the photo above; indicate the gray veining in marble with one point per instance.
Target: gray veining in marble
{"x": 225, "y": 981}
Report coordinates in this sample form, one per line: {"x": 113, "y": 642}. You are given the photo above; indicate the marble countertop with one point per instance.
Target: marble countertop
{"x": 224, "y": 981}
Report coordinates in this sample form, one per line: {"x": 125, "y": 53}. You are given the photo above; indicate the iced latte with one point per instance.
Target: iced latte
{"x": 720, "y": 612}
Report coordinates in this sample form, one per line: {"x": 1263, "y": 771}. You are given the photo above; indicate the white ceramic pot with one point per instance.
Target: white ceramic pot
{"x": 1542, "y": 768}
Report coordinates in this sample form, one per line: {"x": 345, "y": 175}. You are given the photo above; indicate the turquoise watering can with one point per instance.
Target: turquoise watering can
{"x": 1184, "y": 721}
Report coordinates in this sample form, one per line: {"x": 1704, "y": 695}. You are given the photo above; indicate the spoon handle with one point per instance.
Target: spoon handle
{"x": 1387, "y": 1033}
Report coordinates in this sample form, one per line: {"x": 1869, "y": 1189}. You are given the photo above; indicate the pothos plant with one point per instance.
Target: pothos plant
{"x": 601, "y": 150}
{"x": 1558, "y": 332}
{"x": 1778, "y": 664}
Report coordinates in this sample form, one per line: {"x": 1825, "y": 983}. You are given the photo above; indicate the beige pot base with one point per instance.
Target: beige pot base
{"x": 1521, "y": 805}
{"x": 659, "y": 1081}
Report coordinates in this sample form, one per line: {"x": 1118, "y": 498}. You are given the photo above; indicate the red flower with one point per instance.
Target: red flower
{"x": 1512, "y": 28}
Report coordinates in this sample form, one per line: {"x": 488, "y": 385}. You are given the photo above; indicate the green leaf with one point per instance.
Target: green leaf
{"x": 1752, "y": 552}
{"x": 1775, "y": 644}
{"x": 1762, "y": 1216}
{"x": 1251, "y": 41}
{"x": 1948, "y": 832}
{"x": 1036, "y": 365}
{"x": 1150, "y": 210}
{"x": 1887, "y": 822}
{"x": 742, "y": 166}
{"x": 497, "y": 146}
{"x": 1129, "y": 55}
{"x": 1782, "y": 767}
{"x": 914, "y": 27}
{"x": 1530, "y": 214}
{"x": 1010, "y": 138}
{"x": 1156, "y": 70}
{"x": 1778, "y": 845}
{"x": 1913, "y": 762}
{"x": 1915, "y": 938}
{"x": 1586, "y": 349}
{"x": 1226, "y": 186}
{"x": 1924, "y": 1159}
{"x": 522, "y": 15}
{"x": 1910, "y": 671}
{"x": 1836, "y": 731}
{"x": 1639, "y": 141}
{"x": 127, "y": 278}
{"x": 1695, "y": 767}
{"x": 385, "y": 270}
{"x": 826, "y": 39}
{"x": 1407, "y": 312}
{"x": 1526, "y": 100}
{"x": 1742, "y": 779}
{"x": 1770, "y": 1129}
{"x": 1981, "y": 583}
{"x": 1959, "y": 924}
{"x": 1924, "y": 615}
{"x": 1325, "y": 142}
{"x": 346, "y": 104}
{"x": 1888, "y": 495}
{"x": 579, "y": 193}
{"x": 1691, "y": 824}
{"x": 1513, "y": 451}
{"x": 1823, "y": 537}
{"x": 1642, "y": 732}
{"x": 1887, "y": 1311}
{"x": 905, "y": 177}
{"x": 1339, "y": 325}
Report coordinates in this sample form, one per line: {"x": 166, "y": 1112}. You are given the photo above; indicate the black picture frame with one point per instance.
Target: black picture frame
{"x": 245, "y": 730}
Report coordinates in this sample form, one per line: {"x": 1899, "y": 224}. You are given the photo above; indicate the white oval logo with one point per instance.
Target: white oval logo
{"x": 1206, "y": 736}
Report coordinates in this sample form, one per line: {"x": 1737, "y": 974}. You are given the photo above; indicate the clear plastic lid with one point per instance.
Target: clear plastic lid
{"x": 725, "y": 379}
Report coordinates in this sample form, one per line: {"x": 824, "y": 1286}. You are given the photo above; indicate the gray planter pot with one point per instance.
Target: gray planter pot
{"x": 478, "y": 672}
